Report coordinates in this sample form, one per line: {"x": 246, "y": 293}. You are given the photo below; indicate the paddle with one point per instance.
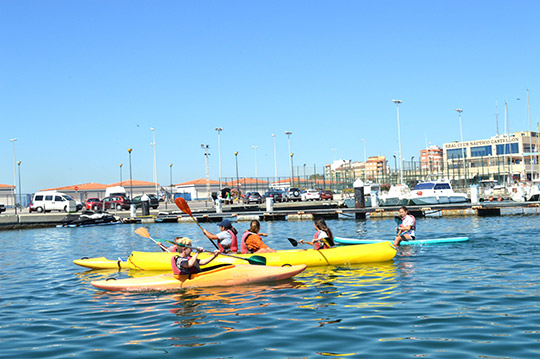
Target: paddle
{"x": 293, "y": 241}
{"x": 141, "y": 231}
{"x": 182, "y": 204}
{"x": 256, "y": 260}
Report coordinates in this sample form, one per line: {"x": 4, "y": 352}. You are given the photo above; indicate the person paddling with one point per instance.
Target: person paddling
{"x": 323, "y": 238}
{"x": 226, "y": 239}
{"x": 174, "y": 247}
{"x": 251, "y": 240}
{"x": 184, "y": 262}
{"x": 407, "y": 227}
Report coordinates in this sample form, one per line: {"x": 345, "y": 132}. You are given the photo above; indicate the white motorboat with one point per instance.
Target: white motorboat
{"x": 436, "y": 192}
{"x": 533, "y": 192}
{"x": 397, "y": 195}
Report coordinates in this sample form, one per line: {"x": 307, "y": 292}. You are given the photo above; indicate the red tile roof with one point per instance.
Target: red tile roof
{"x": 200, "y": 181}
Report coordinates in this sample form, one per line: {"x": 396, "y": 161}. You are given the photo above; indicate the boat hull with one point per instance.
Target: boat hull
{"x": 101, "y": 263}
{"x": 161, "y": 261}
{"x": 343, "y": 240}
{"x": 225, "y": 276}
{"x": 374, "y": 252}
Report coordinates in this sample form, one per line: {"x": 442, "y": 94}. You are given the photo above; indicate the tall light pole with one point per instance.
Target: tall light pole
{"x": 13, "y": 140}
{"x": 237, "y": 181}
{"x": 219, "y": 129}
{"x": 121, "y": 174}
{"x": 206, "y": 154}
{"x": 20, "y": 195}
{"x": 289, "y": 133}
{"x": 275, "y": 159}
{"x": 364, "y": 140}
{"x": 153, "y": 144}
{"x": 130, "y": 174}
{"x": 459, "y": 111}
{"x": 292, "y": 171}
{"x": 170, "y": 199}
{"x": 397, "y": 102}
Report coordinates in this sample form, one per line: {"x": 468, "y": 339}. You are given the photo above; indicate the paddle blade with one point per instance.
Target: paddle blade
{"x": 257, "y": 260}
{"x": 293, "y": 242}
{"x": 182, "y": 204}
{"x": 141, "y": 231}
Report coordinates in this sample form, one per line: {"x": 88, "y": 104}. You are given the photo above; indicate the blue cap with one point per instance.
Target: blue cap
{"x": 225, "y": 223}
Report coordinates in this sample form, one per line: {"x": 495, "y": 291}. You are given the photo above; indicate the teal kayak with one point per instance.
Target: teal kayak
{"x": 343, "y": 240}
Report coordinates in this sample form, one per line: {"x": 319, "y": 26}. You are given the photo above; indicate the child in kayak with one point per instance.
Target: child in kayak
{"x": 184, "y": 263}
{"x": 252, "y": 242}
{"x": 323, "y": 238}
{"x": 174, "y": 247}
{"x": 406, "y": 229}
{"x": 226, "y": 238}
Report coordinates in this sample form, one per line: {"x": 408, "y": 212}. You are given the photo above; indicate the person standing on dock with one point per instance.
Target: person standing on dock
{"x": 226, "y": 238}
{"x": 323, "y": 238}
{"x": 407, "y": 227}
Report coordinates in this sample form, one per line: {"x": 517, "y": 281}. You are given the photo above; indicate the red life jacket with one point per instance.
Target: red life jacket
{"x": 234, "y": 244}
{"x": 243, "y": 247}
{"x": 320, "y": 243}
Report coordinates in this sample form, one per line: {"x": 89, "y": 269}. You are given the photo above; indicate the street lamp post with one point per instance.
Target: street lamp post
{"x": 219, "y": 129}
{"x": 121, "y": 174}
{"x": 237, "y": 180}
{"x": 395, "y": 162}
{"x": 289, "y": 133}
{"x": 275, "y": 159}
{"x": 364, "y": 140}
{"x": 412, "y": 167}
{"x": 20, "y": 195}
{"x": 13, "y": 140}
{"x": 206, "y": 154}
{"x": 292, "y": 170}
{"x": 397, "y": 102}
{"x": 130, "y": 174}
{"x": 170, "y": 199}
{"x": 153, "y": 144}
{"x": 459, "y": 111}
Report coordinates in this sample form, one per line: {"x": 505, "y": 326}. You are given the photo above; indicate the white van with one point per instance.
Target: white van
{"x": 52, "y": 201}
{"x": 115, "y": 191}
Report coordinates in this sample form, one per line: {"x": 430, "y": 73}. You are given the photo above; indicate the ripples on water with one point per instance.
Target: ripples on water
{"x": 474, "y": 299}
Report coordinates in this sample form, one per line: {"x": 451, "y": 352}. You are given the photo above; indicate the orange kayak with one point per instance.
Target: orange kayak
{"x": 218, "y": 276}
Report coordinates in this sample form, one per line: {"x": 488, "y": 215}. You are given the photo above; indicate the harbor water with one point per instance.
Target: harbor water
{"x": 477, "y": 299}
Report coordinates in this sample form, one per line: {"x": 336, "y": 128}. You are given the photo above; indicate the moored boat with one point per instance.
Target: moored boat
{"x": 436, "y": 192}
{"x": 216, "y": 276}
{"x": 343, "y": 240}
{"x": 161, "y": 261}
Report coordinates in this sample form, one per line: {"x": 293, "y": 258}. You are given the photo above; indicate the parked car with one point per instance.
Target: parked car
{"x": 275, "y": 194}
{"x": 94, "y": 204}
{"x": 118, "y": 202}
{"x": 47, "y": 201}
{"x": 2, "y": 207}
{"x": 310, "y": 195}
{"x": 154, "y": 201}
{"x": 326, "y": 194}
{"x": 252, "y": 197}
{"x": 292, "y": 194}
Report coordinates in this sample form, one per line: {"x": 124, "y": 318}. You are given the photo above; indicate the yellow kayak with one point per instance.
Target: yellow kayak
{"x": 217, "y": 276}
{"x": 101, "y": 263}
{"x": 355, "y": 254}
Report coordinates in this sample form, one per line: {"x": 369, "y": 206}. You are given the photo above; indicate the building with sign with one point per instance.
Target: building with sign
{"x": 505, "y": 158}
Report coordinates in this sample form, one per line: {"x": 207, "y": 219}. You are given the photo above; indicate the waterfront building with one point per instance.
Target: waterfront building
{"x": 505, "y": 158}
{"x": 375, "y": 167}
{"x": 431, "y": 158}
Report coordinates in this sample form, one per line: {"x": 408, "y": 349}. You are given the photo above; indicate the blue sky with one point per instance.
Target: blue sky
{"x": 83, "y": 81}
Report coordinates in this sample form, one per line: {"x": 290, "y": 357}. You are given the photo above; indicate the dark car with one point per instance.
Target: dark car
{"x": 326, "y": 194}
{"x": 252, "y": 197}
{"x": 118, "y": 202}
{"x": 275, "y": 194}
{"x": 94, "y": 204}
{"x": 154, "y": 201}
{"x": 2, "y": 207}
